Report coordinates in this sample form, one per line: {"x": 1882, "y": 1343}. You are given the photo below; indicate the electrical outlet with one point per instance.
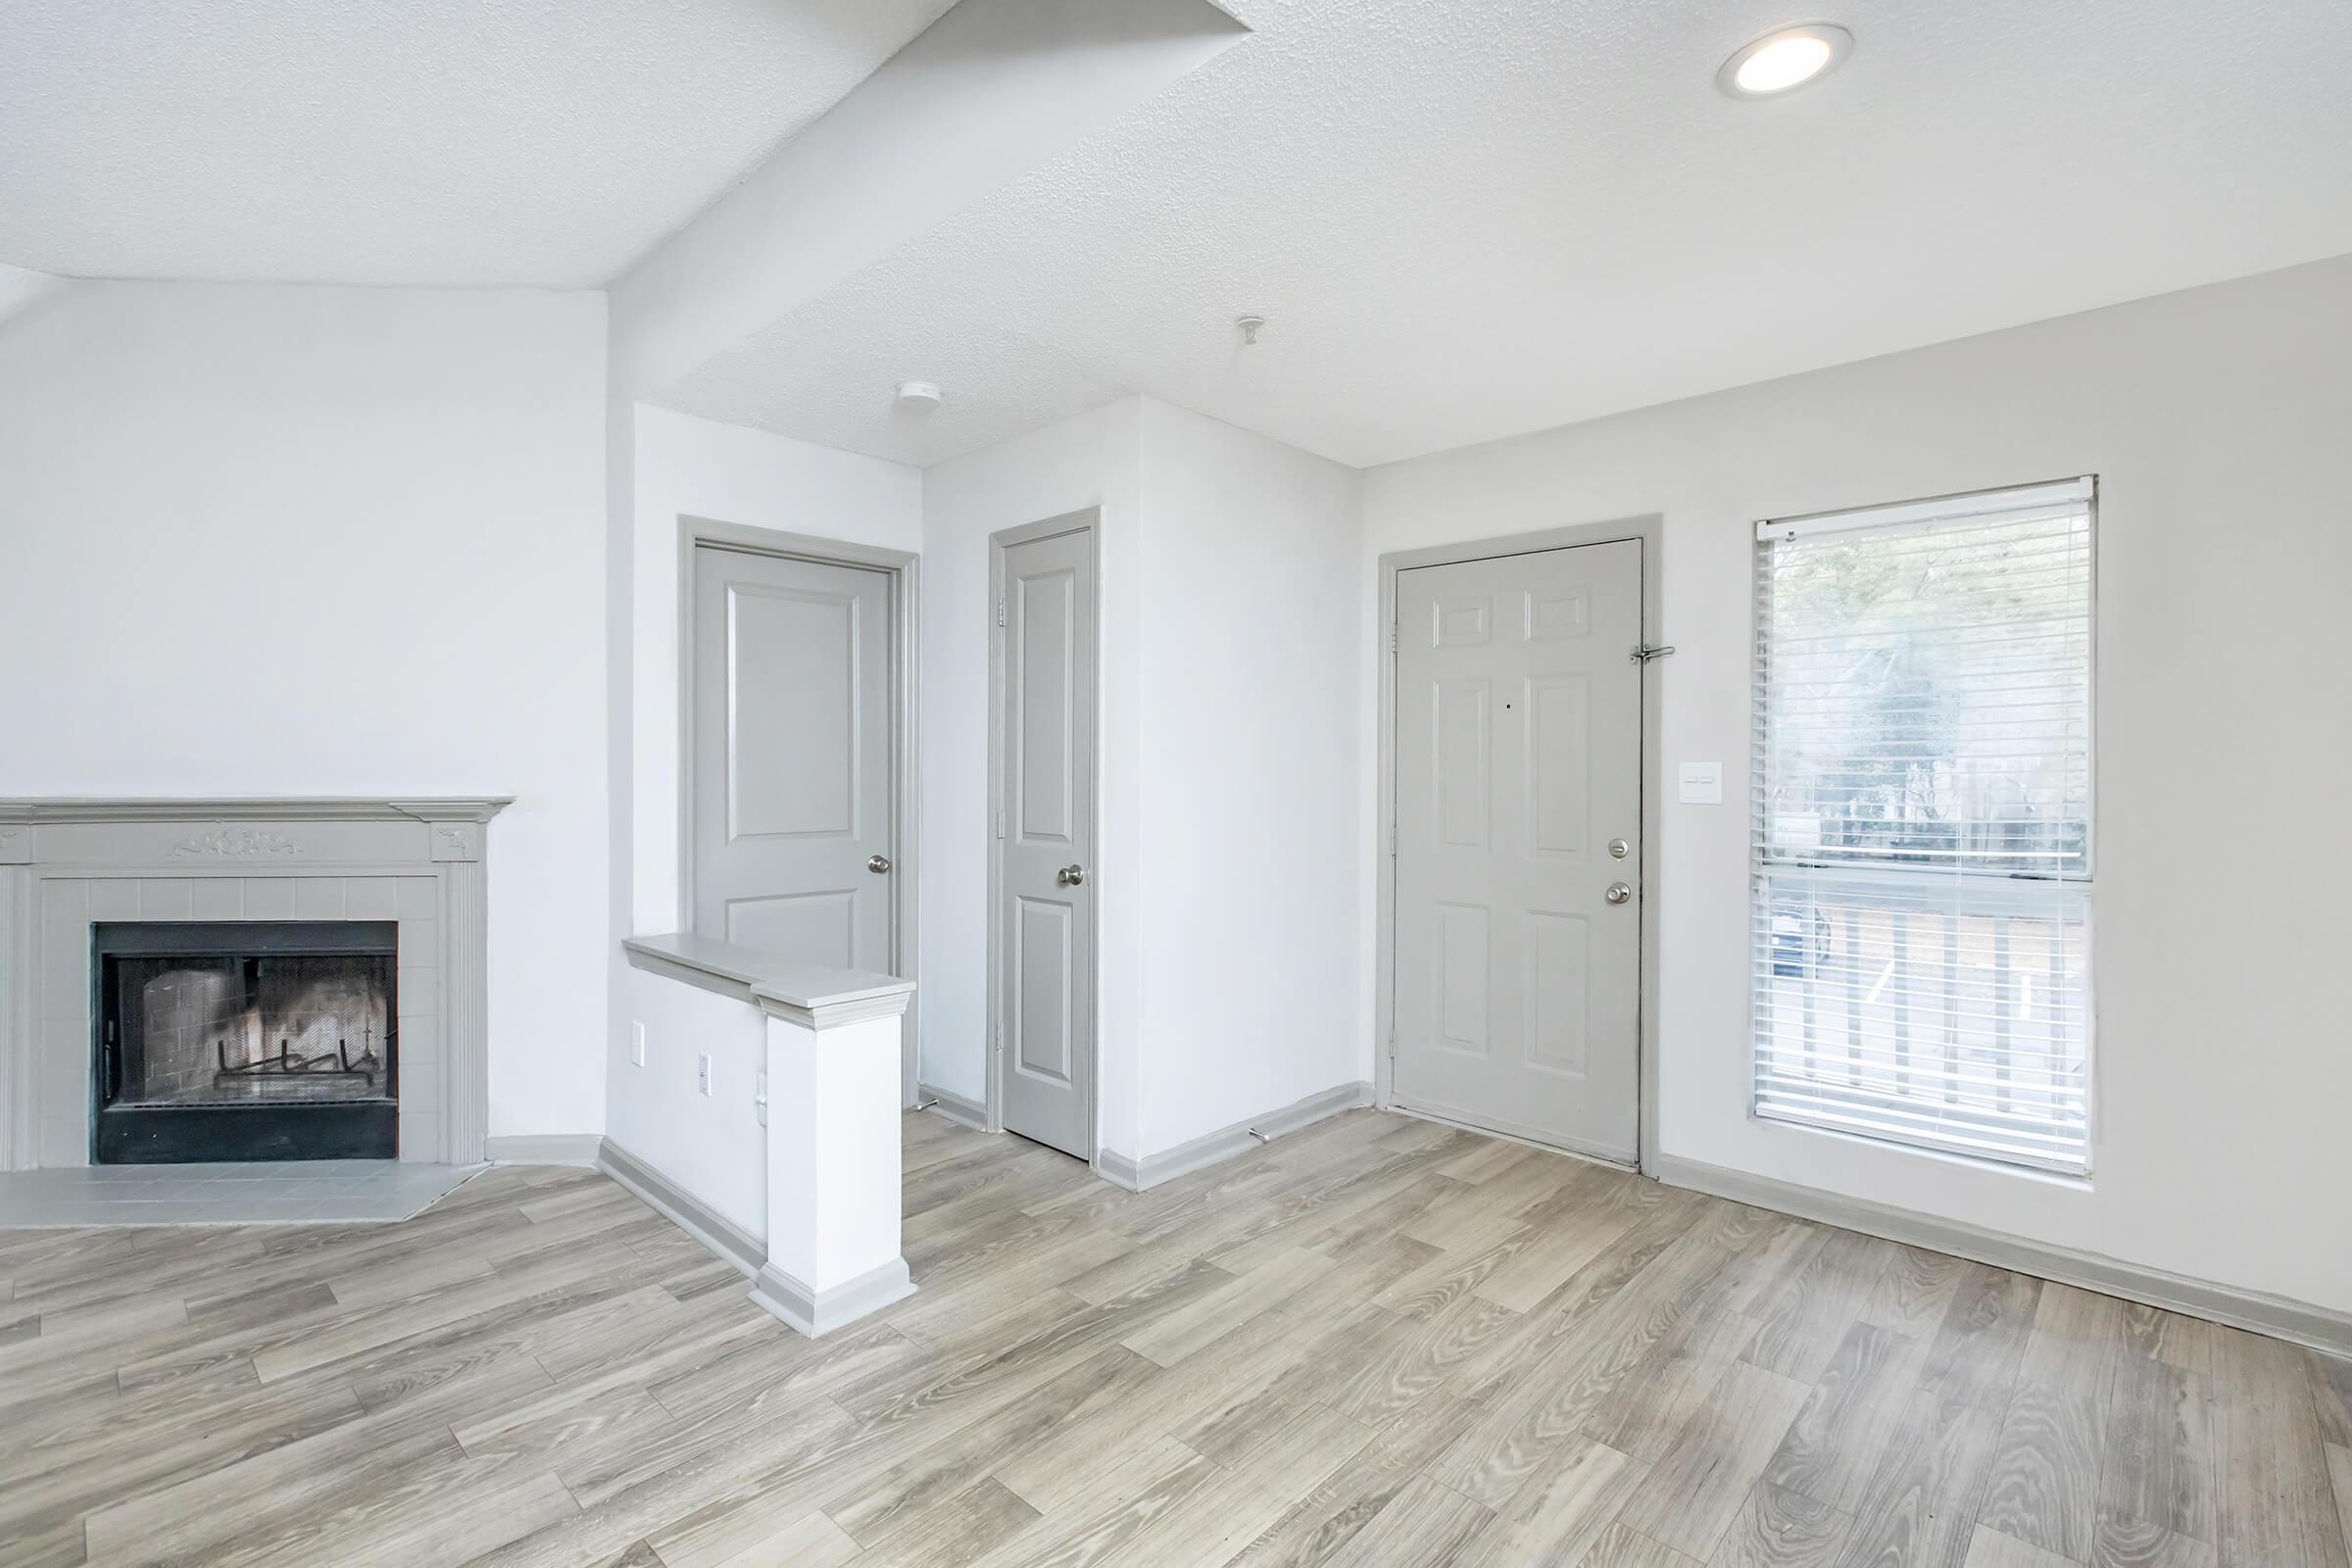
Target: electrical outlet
{"x": 702, "y": 1073}
{"x": 637, "y": 1043}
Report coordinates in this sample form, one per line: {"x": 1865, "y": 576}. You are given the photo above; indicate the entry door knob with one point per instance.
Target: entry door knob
{"x": 879, "y": 864}
{"x": 1618, "y": 893}
{"x": 1070, "y": 876}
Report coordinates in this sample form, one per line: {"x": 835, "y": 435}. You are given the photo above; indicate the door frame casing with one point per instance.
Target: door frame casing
{"x": 1087, "y": 520}
{"x": 901, "y": 567}
{"x": 1649, "y": 533}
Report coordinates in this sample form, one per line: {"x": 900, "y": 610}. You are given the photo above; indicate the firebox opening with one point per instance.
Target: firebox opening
{"x": 246, "y": 1042}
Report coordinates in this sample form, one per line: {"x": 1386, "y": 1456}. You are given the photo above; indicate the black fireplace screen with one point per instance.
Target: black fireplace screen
{"x": 260, "y": 1040}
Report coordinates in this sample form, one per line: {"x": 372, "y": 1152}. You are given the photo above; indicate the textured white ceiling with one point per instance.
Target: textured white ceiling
{"x": 400, "y": 141}
{"x": 1471, "y": 219}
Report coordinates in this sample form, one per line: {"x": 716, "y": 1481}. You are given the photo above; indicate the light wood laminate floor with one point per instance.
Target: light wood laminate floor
{"x": 1376, "y": 1343}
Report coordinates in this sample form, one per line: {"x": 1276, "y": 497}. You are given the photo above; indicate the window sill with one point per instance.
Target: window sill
{"x": 2064, "y": 1180}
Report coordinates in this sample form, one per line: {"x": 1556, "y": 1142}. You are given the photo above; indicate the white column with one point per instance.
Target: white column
{"x": 460, "y": 847}
{"x": 20, "y": 1068}
{"x": 833, "y": 1182}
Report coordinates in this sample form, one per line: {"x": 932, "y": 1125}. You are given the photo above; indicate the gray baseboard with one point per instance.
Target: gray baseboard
{"x": 1117, "y": 1169}
{"x": 728, "y": 1242}
{"x": 816, "y": 1312}
{"x": 542, "y": 1149}
{"x": 1242, "y": 1136}
{"x": 2282, "y": 1317}
{"x": 971, "y": 1113}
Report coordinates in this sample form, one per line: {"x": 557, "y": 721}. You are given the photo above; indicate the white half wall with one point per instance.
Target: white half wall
{"x": 1253, "y": 992}
{"x": 269, "y": 540}
{"x": 2216, "y": 420}
{"x": 690, "y": 467}
{"x": 710, "y": 1146}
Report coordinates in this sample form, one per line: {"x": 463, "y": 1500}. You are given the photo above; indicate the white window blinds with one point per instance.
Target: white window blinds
{"x": 1922, "y": 828}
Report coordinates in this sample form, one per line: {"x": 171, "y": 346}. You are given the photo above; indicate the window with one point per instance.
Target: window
{"x": 1922, "y": 826}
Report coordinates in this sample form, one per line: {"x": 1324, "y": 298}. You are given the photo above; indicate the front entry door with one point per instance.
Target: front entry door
{"x": 792, "y": 739}
{"x": 1519, "y": 846}
{"x": 1045, "y": 914}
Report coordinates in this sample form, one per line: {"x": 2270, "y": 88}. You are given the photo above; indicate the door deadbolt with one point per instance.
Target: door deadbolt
{"x": 1072, "y": 876}
{"x": 879, "y": 864}
{"x": 1619, "y": 848}
{"x": 1618, "y": 893}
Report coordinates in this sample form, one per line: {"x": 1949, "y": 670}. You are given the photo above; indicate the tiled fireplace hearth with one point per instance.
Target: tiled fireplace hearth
{"x": 80, "y": 880}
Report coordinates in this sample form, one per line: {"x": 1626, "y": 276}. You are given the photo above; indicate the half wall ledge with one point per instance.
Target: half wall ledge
{"x": 807, "y": 992}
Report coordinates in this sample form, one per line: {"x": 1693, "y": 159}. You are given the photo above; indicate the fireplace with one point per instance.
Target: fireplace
{"x": 244, "y": 1041}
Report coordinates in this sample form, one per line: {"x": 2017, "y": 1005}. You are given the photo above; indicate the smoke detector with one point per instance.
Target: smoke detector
{"x": 918, "y": 397}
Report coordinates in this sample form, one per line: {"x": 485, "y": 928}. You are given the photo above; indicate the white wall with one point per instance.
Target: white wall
{"x": 1253, "y": 992}
{"x": 1090, "y": 461}
{"x": 265, "y": 540}
{"x": 2217, "y": 421}
{"x": 1229, "y": 622}
{"x": 688, "y": 467}
{"x": 712, "y": 1147}
{"x": 21, "y": 290}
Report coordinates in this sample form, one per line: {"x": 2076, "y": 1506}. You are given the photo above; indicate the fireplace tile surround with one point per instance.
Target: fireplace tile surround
{"x": 67, "y": 865}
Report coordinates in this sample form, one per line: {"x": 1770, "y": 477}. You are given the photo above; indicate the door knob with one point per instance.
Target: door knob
{"x": 1070, "y": 876}
{"x": 1618, "y": 893}
{"x": 879, "y": 864}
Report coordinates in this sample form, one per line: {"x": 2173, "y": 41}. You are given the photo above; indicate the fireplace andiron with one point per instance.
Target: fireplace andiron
{"x": 287, "y": 1063}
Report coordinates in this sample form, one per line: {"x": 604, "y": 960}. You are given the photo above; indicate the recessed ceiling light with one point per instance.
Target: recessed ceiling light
{"x": 1788, "y": 57}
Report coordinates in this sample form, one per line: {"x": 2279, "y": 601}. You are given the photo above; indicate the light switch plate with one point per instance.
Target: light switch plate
{"x": 702, "y": 1073}
{"x": 1702, "y": 783}
{"x": 637, "y": 1041}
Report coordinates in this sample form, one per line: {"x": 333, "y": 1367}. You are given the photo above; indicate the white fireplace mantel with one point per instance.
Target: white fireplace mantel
{"x": 67, "y": 863}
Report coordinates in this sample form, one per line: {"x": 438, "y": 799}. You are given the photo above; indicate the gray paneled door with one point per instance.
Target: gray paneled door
{"x": 1044, "y": 915}
{"x": 1518, "y": 824}
{"x": 792, "y": 736}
